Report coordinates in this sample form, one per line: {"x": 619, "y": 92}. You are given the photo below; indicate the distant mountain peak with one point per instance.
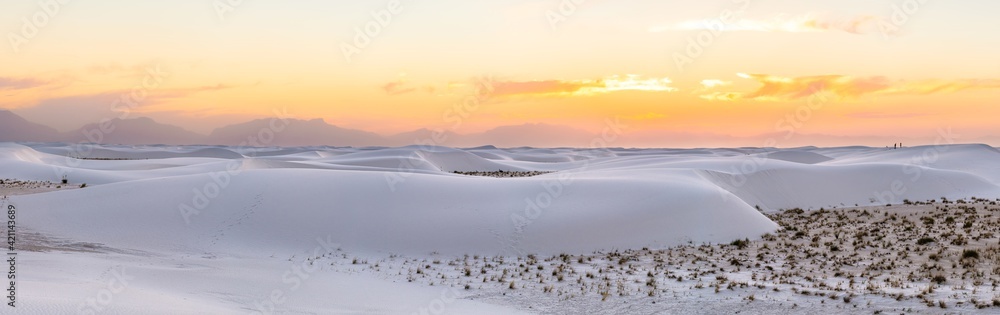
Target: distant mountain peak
{"x": 138, "y": 130}
{"x": 298, "y": 132}
{"x": 13, "y": 127}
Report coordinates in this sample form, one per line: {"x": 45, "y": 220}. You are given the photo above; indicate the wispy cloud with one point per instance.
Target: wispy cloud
{"x": 721, "y": 96}
{"x": 777, "y": 88}
{"x": 20, "y": 83}
{"x": 712, "y": 83}
{"x": 543, "y": 88}
{"x": 796, "y": 24}
{"x": 399, "y": 86}
{"x": 182, "y": 92}
{"x": 118, "y": 70}
{"x": 882, "y": 115}
{"x": 565, "y": 88}
{"x": 90, "y": 108}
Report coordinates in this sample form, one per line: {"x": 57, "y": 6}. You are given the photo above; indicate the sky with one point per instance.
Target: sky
{"x": 736, "y": 68}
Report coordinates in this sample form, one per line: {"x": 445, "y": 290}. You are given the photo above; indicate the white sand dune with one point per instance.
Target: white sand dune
{"x": 95, "y": 152}
{"x": 378, "y": 199}
{"x": 257, "y": 207}
{"x": 978, "y": 159}
{"x": 839, "y": 186}
{"x": 804, "y": 157}
{"x": 427, "y": 213}
{"x": 361, "y": 197}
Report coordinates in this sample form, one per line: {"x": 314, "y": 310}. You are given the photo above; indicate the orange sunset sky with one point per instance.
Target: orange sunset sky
{"x": 733, "y": 68}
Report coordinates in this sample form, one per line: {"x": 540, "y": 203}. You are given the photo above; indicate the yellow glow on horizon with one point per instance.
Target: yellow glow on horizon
{"x": 594, "y": 65}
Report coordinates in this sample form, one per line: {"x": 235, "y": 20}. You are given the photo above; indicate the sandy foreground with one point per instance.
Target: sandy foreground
{"x": 434, "y": 230}
{"x": 924, "y": 258}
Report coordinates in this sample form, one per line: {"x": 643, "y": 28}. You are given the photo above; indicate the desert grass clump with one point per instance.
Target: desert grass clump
{"x": 939, "y": 279}
{"x": 741, "y": 244}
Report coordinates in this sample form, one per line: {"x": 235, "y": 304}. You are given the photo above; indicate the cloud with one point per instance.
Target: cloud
{"x": 864, "y": 24}
{"x": 711, "y": 83}
{"x": 565, "y": 88}
{"x": 85, "y": 108}
{"x": 776, "y": 88}
{"x": 118, "y": 70}
{"x": 943, "y": 86}
{"x": 182, "y": 92}
{"x": 20, "y": 84}
{"x": 547, "y": 87}
{"x": 881, "y": 115}
{"x": 708, "y": 94}
{"x": 399, "y": 86}
{"x": 497, "y": 88}
{"x": 91, "y": 108}
{"x": 721, "y": 96}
